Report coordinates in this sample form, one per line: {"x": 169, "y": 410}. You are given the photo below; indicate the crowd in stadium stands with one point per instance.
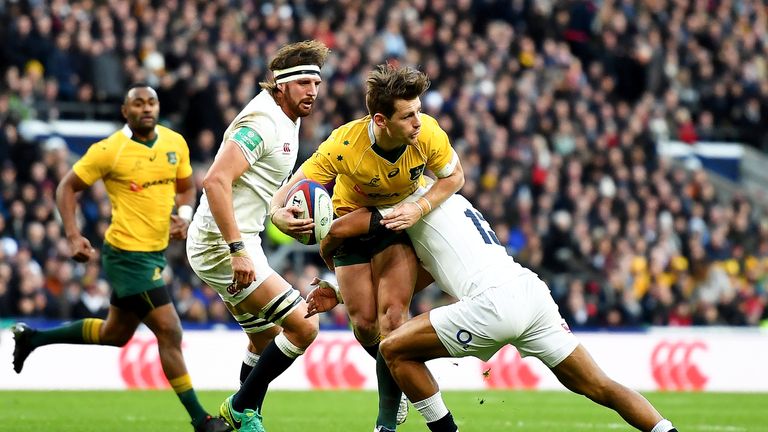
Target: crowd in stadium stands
{"x": 553, "y": 106}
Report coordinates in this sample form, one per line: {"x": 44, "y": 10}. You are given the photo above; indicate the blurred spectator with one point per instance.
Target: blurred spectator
{"x": 553, "y": 107}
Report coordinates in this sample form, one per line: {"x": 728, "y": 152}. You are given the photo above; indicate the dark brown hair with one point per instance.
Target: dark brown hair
{"x": 388, "y": 83}
{"x": 308, "y": 52}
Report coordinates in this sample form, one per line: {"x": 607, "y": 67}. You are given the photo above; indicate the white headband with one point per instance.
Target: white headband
{"x": 296, "y": 72}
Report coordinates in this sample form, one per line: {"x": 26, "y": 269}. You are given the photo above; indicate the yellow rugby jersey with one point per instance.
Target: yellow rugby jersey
{"x": 141, "y": 183}
{"x": 366, "y": 175}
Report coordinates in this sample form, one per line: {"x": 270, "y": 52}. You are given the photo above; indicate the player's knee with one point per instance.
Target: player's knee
{"x": 390, "y": 350}
{"x": 366, "y": 329}
{"x": 116, "y": 338}
{"x": 168, "y": 333}
{"x": 304, "y": 333}
{"x": 308, "y": 331}
{"x": 393, "y": 317}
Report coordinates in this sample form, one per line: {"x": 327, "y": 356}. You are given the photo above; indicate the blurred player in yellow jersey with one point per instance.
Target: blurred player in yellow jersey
{"x": 145, "y": 168}
{"x": 380, "y": 160}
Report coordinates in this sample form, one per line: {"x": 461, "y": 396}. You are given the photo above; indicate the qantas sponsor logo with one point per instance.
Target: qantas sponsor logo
{"x": 507, "y": 370}
{"x": 135, "y": 187}
{"x": 674, "y": 365}
{"x": 333, "y": 364}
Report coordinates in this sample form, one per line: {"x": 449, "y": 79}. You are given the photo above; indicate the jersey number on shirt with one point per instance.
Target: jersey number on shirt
{"x": 488, "y": 235}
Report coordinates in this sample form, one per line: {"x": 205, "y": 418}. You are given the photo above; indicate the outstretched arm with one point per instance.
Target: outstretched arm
{"x": 66, "y": 201}
{"x": 324, "y": 297}
{"x": 352, "y": 224}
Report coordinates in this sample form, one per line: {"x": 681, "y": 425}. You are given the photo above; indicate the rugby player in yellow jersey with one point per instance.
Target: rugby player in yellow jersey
{"x": 380, "y": 160}
{"x": 145, "y": 168}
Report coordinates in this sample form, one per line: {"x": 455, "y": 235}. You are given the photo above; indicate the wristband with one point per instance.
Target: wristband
{"x": 185, "y": 212}
{"x": 429, "y": 204}
{"x": 237, "y": 248}
{"x": 421, "y": 209}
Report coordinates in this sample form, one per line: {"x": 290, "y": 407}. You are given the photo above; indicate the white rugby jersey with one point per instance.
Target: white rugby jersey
{"x": 460, "y": 250}
{"x": 269, "y": 141}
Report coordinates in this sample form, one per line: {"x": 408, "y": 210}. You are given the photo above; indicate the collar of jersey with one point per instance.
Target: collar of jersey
{"x": 390, "y": 155}
{"x": 129, "y": 133}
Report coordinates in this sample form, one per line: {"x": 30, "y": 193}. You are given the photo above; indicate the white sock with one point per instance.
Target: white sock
{"x": 663, "y": 426}
{"x": 289, "y": 349}
{"x": 251, "y": 358}
{"x": 432, "y": 408}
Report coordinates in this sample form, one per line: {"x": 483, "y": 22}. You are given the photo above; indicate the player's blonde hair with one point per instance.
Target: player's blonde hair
{"x": 387, "y": 83}
{"x": 308, "y": 52}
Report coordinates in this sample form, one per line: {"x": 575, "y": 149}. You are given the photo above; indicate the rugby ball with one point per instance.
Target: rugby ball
{"x": 315, "y": 203}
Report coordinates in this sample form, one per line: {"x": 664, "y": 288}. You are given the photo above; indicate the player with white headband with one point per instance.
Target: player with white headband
{"x": 296, "y": 73}
{"x": 257, "y": 154}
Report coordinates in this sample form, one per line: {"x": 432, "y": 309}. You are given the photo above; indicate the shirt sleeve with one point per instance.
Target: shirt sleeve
{"x": 441, "y": 158}
{"x": 184, "y": 169}
{"x": 253, "y": 138}
{"x": 95, "y": 164}
{"x": 326, "y": 163}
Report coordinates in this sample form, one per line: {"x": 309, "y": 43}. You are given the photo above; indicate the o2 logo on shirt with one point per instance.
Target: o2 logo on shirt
{"x": 464, "y": 337}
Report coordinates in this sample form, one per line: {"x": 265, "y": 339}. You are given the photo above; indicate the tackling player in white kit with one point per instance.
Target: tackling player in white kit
{"x": 257, "y": 154}
{"x": 500, "y": 303}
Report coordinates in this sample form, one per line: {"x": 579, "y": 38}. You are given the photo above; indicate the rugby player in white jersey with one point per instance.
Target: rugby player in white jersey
{"x": 257, "y": 154}
{"x": 500, "y": 302}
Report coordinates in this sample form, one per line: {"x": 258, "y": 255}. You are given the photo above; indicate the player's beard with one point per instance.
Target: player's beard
{"x": 143, "y": 128}
{"x": 303, "y": 111}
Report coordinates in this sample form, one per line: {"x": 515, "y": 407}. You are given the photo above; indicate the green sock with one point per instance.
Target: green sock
{"x": 193, "y": 407}
{"x": 79, "y": 332}
{"x": 389, "y": 395}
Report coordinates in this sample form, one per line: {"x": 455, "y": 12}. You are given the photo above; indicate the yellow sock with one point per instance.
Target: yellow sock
{"x": 91, "y": 328}
{"x": 181, "y": 384}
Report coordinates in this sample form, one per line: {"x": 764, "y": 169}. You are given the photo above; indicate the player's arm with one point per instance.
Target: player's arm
{"x": 407, "y": 214}
{"x": 284, "y": 217}
{"x": 66, "y": 201}
{"x": 354, "y": 224}
{"x": 186, "y": 194}
{"x": 228, "y": 166}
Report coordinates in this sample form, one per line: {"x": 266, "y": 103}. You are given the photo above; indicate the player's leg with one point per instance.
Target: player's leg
{"x": 256, "y": 344}
{"x": 211, "y": 262}
{"x": 356, "y": 286}
{"x": 277, "y": 303}
{"x": 157, "y": 312}
{"x": 581, "y": 374}
{"x": 116, "y": 330}
{"x": 546, "y": 336}
{"x": 405, "y": 351}
{"x": 394, "y": 271}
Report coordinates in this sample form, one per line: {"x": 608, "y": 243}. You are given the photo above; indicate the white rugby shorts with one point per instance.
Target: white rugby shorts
{"x": 521, "y": 313}
{"x": 211, "y": 264}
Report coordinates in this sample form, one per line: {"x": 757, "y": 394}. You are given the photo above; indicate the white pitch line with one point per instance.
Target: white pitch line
{"x": 620, "y": 426}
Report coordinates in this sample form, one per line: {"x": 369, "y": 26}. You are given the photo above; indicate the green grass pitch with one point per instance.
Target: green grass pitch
{"x": 286, "y": 411}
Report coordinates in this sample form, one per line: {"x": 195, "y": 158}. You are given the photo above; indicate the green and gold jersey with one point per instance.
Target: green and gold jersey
{"x": 141, "y": 182}
{"x": 366, "y": 175}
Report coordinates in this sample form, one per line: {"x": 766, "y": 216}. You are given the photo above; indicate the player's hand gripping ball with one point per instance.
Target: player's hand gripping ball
{"x": 315, "y": 203}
